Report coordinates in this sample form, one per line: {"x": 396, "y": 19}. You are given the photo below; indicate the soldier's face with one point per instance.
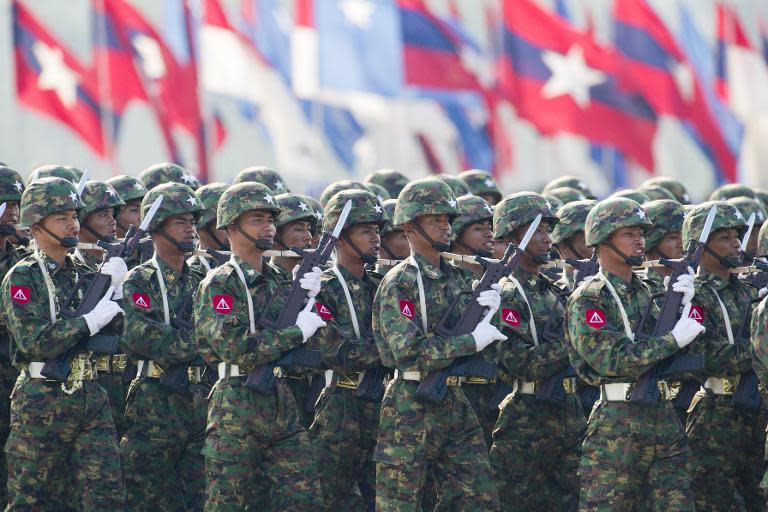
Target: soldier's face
{"x": 62, "y": 224}
{"x": 724, "y": 242}
{"x": 11, "y": 214}
{"x": 437, "y": 227}
{"x": 630, "y": 241}
{"x": 576, "y": 244}
{"x": 129, "y": 214}
{"x": 101, "y": 221}
{"x": 181, "y": 228}
{"x": 672, "y": 245}
{"x": 257, "y": 223}
{"x": 365, "y": 237}
{"x": 539, "y": 245}
{"x": 397, "y": 242}
{"x": 296, "y": 234}
{"x": 478, "y": 236}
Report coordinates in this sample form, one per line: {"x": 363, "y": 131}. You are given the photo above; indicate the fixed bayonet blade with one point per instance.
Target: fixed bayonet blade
{"x": 151, "y": 213}
{"x": 529, "y": 234}
{"x": 81, "y": 183}
{"x": 2, "y": 208}
{"x": 342, "y": 219}
{"x": 708, "y": 225}
{"x": 750, "y": 225}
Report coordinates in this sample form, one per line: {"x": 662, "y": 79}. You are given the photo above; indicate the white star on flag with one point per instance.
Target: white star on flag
{"x": 55, "y": 75}
{"x": 152, "y": 62}
{"x": 570, "y": 76}
{"x": 358, "y": 12}
{"x": 303, "y": 206}
{"x": 192, "y": 201}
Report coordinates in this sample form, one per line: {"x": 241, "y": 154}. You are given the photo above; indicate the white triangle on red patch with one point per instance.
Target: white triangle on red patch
{"x": 19, "y": 295}
{"x": 140, "y": 302}
{"x": 406, "y": 309}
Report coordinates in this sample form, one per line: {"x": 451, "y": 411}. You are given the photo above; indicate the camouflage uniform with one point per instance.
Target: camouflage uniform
{"x": 536, "y": 443}
{"x": 208, "y": 195}
{"x": 759, "y": 332}
{"x": 481, "y": 183}
{"x": 415, "y": 438}
{"x": 345, "y": 427}
{"x": 53, "y": 171}
{"x": 129, "y": 189}
{"x": 56, "y": 429}
{"x": 264, "y": 175}
{"x": 631, "y": 452}
{"x": 164, "y": 427}
{"x": 165, "y": 172}
{"x": 392, "y": 180}
{"x": 254, "y": 441}
{"x": 727, "y": 441}
{"x": 672, "y": 185}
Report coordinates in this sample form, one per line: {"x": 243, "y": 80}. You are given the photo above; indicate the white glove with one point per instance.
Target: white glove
{"x": 309, "y": 323}
{"x": 118, "y": 293}
{"x": 485, "y": 334}
{"x": 490, "y": 298}
{"x": 116, "y": 268}
{"x": 104, "y": 311}
{"x": 686, "y": 329}
{"x": 311, "y": 282}
{"x": 684, "y": 285}
{"x": 763, "y": 292}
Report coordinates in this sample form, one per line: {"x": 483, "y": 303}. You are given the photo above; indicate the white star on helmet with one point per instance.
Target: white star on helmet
{"x": 303, "y": 206}
{"x": 269, "y": 198}
{"x": 192, "y": 201}
{"x": 18, "y": 185}
{"x": 452, "y": 202}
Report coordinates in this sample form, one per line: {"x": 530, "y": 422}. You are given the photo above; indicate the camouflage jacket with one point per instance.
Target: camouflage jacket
{"x": 90, "y": 260}
{"x": 653, "y": 279}
{"x": 222, "y": 326}
{"x": 25, "y": 309}
{"x": 341, "y": 348}
{"x": 198, "y": 264}
{"x": 8, "y": 259}
{"x": 397, "y": 319}
{"x": 721, "y": 358}
{"x": 600, "y": 349}
{"x": 146, "y": 334}
{"x": 759, "y": 329}
{"x": 519, "y": 356}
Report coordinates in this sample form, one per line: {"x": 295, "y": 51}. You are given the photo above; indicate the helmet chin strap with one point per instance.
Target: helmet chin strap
{"x": 725, "y": 261}
{"x": 365, "y": 258}
{"x": 438, "y": 246}
{"x": 571, "y": 248}
{"x": 181, "y": 246}
{"x": 96, "y": 234}
{"x": 67, "y": 242}
{"x": 629, "y": 260}
{"x": 263, "y": 244}
{"x": 223, "y": 246}
{"x": 477, "y": 252}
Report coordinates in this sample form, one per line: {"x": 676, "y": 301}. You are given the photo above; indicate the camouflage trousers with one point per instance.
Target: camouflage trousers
{"x": 300, "y": 388}
{"x": 727, "y": 444}
{"x": 635, "y": 456}
{"x": 481, "y": 397}
{"x": 257, "y": 454}
{"x": 115, "y": 386}
{"x": 160, "y": 447}
{"x": 8, "y": 375}
{"x": 536, "y": 452}
{"x": 344, "y": 436}
{"x": 446, "y": 440}
{"x": 53, "y": 434}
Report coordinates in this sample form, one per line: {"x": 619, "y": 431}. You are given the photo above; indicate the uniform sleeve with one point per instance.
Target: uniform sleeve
{"x": 342, "y": 350}
{"x": 607, "y": 349}
{"x": 759, "y": 330}
{"x": 721, "y": 358}
{"x": 228, "y": 333}
{"x": 29, "y": 319}
{"x": 145, "y": 332}
{"x": 404, "y": 337}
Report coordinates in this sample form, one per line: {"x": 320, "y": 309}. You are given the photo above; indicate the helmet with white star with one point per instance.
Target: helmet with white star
{"x": 98, "y": 195}
{"x": 11, "y": 184}
{"x": 366, "y": 209}
{"x": 425, "y": 196}
{"x": 244, "y": 197}
{"x": 727, "y": 216}
{"x": 264, "y": 175}
{"x": 127, "y": 187}
{"x": 167, "y": 172}
{"x": 178, "y": 199}
{"x": 610, "y": 215}
{"x": 46, "y": 196}
{"x": 480, "y": 183}
{"x": 473, "y": 209}
{"x": 518, "y": 210}
{"x": 294, "y": 207}
{"x": 209, "y": 195}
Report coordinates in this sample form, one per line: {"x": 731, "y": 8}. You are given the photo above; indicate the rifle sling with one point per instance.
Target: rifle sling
{"x": 726, "y": 316}
{"x": 348, "y": 296}
{"x": 624, "y": 317}
{"x": 422, "y": 298}
{"x": 248, "y": 298}
{"x": 532, "y": 322}
{"x": 163, "y": 290}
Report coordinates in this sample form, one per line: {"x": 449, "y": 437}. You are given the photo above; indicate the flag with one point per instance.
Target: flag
{"x": 51, "y": 81}
{"x": 659, "y": 70}
{"x": 561, "y": 80}
{"x": 219, "y": 131}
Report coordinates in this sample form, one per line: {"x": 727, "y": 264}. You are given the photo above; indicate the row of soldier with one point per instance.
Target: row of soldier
{"x": 177, "y": 420}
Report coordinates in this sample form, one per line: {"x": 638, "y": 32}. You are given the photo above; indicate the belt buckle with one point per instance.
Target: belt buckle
{"x": 569, "y": 384}
{"x": 452, "y": 381}
{"x": 475, "y": 380}
{"x": 278, "y": 372}
{"x": 102, "y": 364}
{"x": 119, "y": 363}
{"x": 729, "y": 386}
{"x": 346, "y": 382}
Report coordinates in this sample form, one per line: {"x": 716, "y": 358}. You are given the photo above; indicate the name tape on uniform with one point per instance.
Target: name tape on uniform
{"x": 20, "y": 294}
{"x": 511, "y": 316}
{"x": 595, "y": 318}
{"x": 141, "y": 300}
{"x": 323, "y": 311}
{"x": 222, "y": 304}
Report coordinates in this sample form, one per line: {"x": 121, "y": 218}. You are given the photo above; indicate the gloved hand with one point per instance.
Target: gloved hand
{"x": 684, "y": 285}
{"x": 485, "y": 334}
{"x": 309, "y": 323}
{"x": 118, "y": 293}
{"x": 490, "y": 298}
{"x": 686, "y": 329}
{"x": 116, "y": 268}
{"x": 311, "y": 282}
{"x": 763, "y": 292}
{"x": 104, "y": 311}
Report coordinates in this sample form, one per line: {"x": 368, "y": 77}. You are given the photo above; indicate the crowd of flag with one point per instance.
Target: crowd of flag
{"x": 329, "y": 72}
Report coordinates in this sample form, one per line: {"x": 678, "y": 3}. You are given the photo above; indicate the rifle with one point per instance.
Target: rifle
{"x": 176, "y": 376}
{"x": 371, "y": 388}
{"x": 552, "y": 389}
{"x": 757, "y": 274}
{"x": 583, "y": 269}
{"x": 97, "y": 287}
{"x": 262, "y": 378}
{"x": 646, "y": 390}
{"x": 433, "y": 389}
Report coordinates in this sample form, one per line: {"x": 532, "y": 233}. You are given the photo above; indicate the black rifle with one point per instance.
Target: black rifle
{"x": 583, "y": 269}
{"x": 263, "y": 379}
{"x": 176, "y": 376}
{"x": 433, "y": 389}
{"x": 220, "y": 257}
{"x": 747, "y": 394}
{"x": 371, "y": 388}
{"x": 145, "y": 250}
{"x": 96, "y": 286}
{"x": 759, "y": 278}
{"x": 552, "y": 389}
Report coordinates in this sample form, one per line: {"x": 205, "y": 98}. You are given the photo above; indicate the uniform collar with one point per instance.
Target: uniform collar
{"x": 714, "y": 281}
{"x": 621, "y": 286}
{"x": 524, "y": 276}
{"x": 51, "y": 265}
{"x": 251, "y": 274}
{"x": 427, "y": 268}
{"x": 169, "y": 275}
{"x": 352, "y": 280}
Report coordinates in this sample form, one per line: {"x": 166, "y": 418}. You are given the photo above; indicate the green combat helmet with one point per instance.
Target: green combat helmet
{"x": 481, "y": 183}
{"x": 98, "y": 195}
{"x": 337, "y": 186}
{"x": 667, "y": 216}
{"x": 565, "y": 194}
{"x": 473, "y": 209}
{"x": 389, "y": 214}
{"x": 426, "y": 196}
{"x": 554, "y": 201}
{"x": 656, "y": 192}
{"x": 264, "y": 175}
{"x": 458, "y": 186}
{"x": 610, "y": 215}
{"x": 730, "y": 191}
{"x": 572, "y": 218}
{"x": 241, "y": 198}
{"x": 167, "y": 172}
{"x": 294, "y": 207}
{"x": 749, "y": 206}
{"x": 53, "y": 170}
{"x": 727, "y": 216}
{"x": 127, "y": 187}
{"x": 11, "y": 184}
{"x": 45, "y": 196}
{"x": 670, "y": 184}
{"x": 569, "y": 181}
{"x": 762, "y": 196}
{"x": 762, "y": 241}
{"x": 377, "y": 190}
{"x": 392, "y": 180}
{"x": 178, "y": 199}
{"x": 366, "y": 209}
{"x": 520, "y": 209}
{"x": 632, "y": 194}
{"x": 317, "y": 208}
{"x": 209, "y": 195}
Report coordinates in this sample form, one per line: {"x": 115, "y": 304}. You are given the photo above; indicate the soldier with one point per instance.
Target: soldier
{"x": 416, "y": 439}
{"x": 458, "y": 186}
{"x": 254, "y": 441}
{"x": 164, "y": 420}
{"x": 566, "y": 194}
{"x": 210, "y": 237}
{"x": 481, "y": 183}
{"x": 344, "y": 429}
{"x": 678, "y": 189}
{"x": 131, "y": 191}
{"x": 569, "y": 181}
{"x": 663, "y": 239}
{"x": 537, "y": 438}
{"x": 568, "y": 236}
{"x": 264, "y": 175}
{"x": 390, "y": 179}
{"x": 166, "y": 172}
{"x": 726, "y": 437}
{"x": 57, "y": 427}
{"x": 633, "y": 453}
{"x": 759, "y": 331}
{"x": 747, "y": 207}
{"x": 394, "y": 244}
